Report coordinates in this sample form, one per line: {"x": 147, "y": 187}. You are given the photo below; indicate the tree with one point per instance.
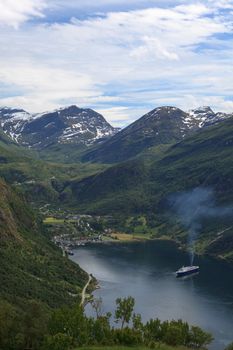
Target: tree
{"x": 177, "y": 333}
{"x": 8, "y": 326}
{"x": 229, "y": 347}
{"x": 199, "y": 338}
{"x": 71, "y": 322}
{"x": 173, "y": 335}
{"x": 34, "y": 325}
{"x": 124, "y": 310}
{"x": 137, "y": 322}
{"x": 58, "y": 341}
{"x": 152, "y": 331}
{"x": 100, "y": 331}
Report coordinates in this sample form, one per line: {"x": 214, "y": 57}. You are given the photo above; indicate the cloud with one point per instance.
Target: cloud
{"x": 124, "y": 62}
{"x": 153, "y": 47}
{"x": 121, "y": 116}
{"x": 44, "y": 87}
{"x": 14, "y": 12}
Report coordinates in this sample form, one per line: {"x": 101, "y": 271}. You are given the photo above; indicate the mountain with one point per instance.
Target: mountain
{"x": 39, "y": 180}
{"x": 203, "y": 158}
{"x": 205, "y": 116}
{"x": 161, "y": 126}
{"x": 141, "y": 187}
{"x": 71, "y": 125}
{"x": 31, "y": 267}
{"x": 13, "y": 120}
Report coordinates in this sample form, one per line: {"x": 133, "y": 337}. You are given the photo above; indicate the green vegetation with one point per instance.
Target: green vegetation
{"x": 134, "y": 192}
{"x": 31, "y": 267}
{"x": 140, "y": 188}
{"x": 51, "y": 220}
{"x": 69, "y": 327}
{"x": 36, "y": 278}
{"x": 41, "y": 181}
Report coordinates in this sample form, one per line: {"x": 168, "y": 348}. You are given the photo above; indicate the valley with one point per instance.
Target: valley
{"x": 134, "y": 193}
{"x": 103, "y": 186}
{"x": 116, "y": 175}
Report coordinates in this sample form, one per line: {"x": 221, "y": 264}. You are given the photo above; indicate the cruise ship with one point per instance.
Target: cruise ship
{"x": 187, "y": 270}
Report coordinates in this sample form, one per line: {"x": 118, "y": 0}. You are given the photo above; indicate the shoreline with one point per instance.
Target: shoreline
{"x": 93, "y": 282}
{"x": 132, "y": 238}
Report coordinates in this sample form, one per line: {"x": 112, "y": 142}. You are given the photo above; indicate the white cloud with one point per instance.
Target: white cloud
{"x": 15, "y": 12}
{"x": 221, "y": 4}
{"x": 141, "y": 58}
{"x": 121, "y": 116}
{"x": 44, "y": 87}
{"x": 155, "y": 48}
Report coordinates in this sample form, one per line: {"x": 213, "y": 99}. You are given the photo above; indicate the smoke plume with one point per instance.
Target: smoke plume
{"x": 194, "y": 206}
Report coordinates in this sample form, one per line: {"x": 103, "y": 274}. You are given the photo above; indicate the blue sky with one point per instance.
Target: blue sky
{"x": 121, "y": 58}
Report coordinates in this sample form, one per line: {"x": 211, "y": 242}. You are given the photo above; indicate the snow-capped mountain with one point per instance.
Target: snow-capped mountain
{"x": 161, "y": 126}
{"x": 13, "y": 120}
{"x": 65, "y": 125}
{"x": 85, "y": 127}
{"x": 205, "y": 116}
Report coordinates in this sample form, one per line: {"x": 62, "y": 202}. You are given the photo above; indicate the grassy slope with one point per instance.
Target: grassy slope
{"x": 30, "y": 266}
{"x": 63, "y": 153}
{"x": 204, "y": 159}
{"x": 40, "y": 180}
{"x": 142, "y": 185}
{"x": 135, "y": 187}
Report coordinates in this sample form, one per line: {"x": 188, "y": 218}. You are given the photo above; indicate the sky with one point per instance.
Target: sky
{"x": 121, "y": 58}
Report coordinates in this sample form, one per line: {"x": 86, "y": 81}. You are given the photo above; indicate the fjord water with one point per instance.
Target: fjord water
{"x": 145, "y": 270}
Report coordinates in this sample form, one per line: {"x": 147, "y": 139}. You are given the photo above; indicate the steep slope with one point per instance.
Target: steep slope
{"x": 141, "y": 187}
{"x": 13, "y": 120}
{"x": 161, "y": 126}
{"x": 71, "y": 125}
{"x": 30, "y": 266}
{"x": 204, "y": 158}
{"x": 40, "y": 181}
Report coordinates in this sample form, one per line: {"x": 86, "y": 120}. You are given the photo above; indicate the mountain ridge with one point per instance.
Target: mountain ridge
{"x": 141, "y": 188}
{"x": 64, "y": 125}
{"x": 161, "y": 126}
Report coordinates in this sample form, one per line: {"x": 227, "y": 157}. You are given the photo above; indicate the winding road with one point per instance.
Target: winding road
{"x": 84, "y": 290}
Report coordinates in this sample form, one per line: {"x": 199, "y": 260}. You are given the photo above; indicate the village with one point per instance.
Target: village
{"x": 70, "y": 231}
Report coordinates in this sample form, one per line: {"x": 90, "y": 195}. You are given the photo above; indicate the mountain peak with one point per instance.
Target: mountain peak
{"x": 161, "y": 126}
{"x": 71, "y": 109}
{"x": 205, "y": 116}
{"x": 163, "y": 112}
{"x": 203, "y": 109}
{"x": 165, "y": 109}
{"x": 65, "y": 125}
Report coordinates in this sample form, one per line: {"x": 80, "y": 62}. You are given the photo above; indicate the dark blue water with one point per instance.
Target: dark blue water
{"x": 145, "y": 271}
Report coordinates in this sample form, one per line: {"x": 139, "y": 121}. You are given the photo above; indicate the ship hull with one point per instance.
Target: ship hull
{"x": 188, "y": 272}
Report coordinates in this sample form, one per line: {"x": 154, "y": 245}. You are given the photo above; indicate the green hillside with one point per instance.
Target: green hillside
{"x": 32, "y": 268}
{"x": 41, "y": 181}
{"x": 204, "y": 159}
{"x": 142, "y": 186}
